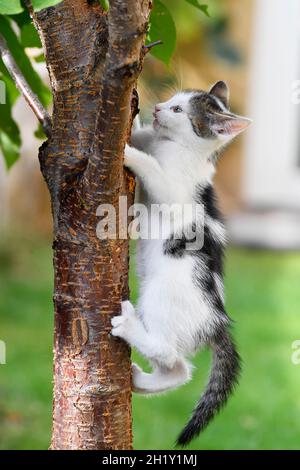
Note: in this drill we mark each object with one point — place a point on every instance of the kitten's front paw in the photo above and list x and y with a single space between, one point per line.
119 326
124 323
129 154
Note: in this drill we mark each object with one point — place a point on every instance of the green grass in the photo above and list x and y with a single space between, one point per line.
263 297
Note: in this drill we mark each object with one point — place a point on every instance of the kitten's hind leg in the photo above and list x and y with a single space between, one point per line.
161 379
169 370
129 327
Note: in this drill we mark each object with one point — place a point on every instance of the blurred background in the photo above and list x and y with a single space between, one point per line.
253 45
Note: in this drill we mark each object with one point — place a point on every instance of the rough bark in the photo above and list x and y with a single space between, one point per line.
93 59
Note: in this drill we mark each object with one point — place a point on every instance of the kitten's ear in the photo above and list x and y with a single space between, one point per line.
220 90
231 124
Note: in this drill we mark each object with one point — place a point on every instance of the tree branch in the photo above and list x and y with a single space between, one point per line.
148 47
24 88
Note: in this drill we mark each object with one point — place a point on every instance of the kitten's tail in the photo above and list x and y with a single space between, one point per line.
223 378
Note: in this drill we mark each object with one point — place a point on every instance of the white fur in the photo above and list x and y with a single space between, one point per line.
170 160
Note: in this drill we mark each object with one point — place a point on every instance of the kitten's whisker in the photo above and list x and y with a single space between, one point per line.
150 97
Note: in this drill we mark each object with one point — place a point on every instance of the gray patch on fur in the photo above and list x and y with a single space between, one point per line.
203 114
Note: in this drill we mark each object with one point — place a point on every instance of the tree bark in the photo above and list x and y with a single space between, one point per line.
94 59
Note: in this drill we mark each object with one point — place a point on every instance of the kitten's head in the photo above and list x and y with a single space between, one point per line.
200 117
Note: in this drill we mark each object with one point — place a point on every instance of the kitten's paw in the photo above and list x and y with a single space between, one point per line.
119 327
117 321
128 153
122 324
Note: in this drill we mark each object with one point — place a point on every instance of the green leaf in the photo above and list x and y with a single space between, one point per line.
200 6
162 27
10 147
31 76
39 133
29 36
11 92
10 7
39 58
104 4
41 4
21 19
10 140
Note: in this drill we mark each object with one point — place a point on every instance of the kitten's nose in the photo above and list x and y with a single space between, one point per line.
157 108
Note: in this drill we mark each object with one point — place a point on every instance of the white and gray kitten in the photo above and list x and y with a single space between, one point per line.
181 303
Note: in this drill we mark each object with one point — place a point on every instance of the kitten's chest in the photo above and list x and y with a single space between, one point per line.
182 173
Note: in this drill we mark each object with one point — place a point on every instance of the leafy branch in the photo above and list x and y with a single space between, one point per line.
24 88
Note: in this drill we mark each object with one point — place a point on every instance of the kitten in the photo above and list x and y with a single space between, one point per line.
181 303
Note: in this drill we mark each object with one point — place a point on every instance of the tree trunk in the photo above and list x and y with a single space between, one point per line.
93 58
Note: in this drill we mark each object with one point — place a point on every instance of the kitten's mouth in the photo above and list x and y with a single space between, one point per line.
156 123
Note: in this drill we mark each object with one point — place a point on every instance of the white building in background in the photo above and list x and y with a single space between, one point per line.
271 171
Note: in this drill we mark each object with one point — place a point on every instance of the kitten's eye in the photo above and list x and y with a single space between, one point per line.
176 109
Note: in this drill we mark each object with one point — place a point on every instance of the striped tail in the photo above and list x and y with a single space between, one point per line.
223 378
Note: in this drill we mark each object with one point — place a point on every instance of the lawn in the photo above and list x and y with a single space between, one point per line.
263 297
